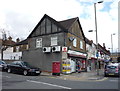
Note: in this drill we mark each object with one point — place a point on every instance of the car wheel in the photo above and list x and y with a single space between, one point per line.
25 72
9 70
105 75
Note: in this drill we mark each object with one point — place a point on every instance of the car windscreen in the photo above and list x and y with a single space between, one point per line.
26 64
112 67
2 62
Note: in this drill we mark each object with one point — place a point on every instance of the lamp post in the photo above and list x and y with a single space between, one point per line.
112 42
96 35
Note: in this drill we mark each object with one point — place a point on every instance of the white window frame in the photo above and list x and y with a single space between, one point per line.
75 42
17 48
54 41
81 44
39 43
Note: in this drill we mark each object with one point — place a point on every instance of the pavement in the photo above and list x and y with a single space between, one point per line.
82 76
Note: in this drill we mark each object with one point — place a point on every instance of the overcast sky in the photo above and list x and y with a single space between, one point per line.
19 17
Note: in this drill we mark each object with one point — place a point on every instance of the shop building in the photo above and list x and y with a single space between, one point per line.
103 55
61 41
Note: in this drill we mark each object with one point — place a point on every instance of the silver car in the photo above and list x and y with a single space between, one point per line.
112 70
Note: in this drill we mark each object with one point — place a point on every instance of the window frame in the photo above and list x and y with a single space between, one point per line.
38 43
75 42
54 41
81 44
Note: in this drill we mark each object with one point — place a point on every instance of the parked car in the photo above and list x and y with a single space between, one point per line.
3 65
23 67
112 69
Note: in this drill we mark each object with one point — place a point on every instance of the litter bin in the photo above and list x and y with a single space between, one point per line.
56 68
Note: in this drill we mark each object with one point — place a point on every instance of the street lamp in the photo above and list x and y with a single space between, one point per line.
112 42
96 35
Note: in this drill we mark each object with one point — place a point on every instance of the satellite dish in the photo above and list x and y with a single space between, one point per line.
71 38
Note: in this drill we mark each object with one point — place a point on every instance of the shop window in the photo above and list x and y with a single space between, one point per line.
75 42
39 43
54 41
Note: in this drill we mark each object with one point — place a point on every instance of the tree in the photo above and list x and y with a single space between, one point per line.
3 47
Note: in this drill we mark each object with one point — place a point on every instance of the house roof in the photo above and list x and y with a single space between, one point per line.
53 20
68 23
65 24
88 41
103 49
22 42
8 42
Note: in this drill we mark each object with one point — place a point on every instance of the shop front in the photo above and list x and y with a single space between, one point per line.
79 60
93 63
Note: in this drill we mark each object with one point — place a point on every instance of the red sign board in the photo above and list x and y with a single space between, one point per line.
64 49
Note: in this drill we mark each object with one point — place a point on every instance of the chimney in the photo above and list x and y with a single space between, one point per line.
104 45
17 40
10 38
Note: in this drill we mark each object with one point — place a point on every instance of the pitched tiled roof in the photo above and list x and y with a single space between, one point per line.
88 41
22 42
67 23
8 42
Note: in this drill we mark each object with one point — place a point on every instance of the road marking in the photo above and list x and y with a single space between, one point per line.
105 78
7 76
113 80
49 84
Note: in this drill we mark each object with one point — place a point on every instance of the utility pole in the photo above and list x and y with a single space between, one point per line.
112 42
96 36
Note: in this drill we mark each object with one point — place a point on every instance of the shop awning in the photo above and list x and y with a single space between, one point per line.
76 54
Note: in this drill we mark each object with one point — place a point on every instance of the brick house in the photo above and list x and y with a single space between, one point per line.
20 45
5 46
103 55
13 49
53 40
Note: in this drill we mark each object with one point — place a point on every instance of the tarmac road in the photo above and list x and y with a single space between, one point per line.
16 81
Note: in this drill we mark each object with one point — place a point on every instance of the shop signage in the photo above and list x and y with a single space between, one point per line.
76 53
64 49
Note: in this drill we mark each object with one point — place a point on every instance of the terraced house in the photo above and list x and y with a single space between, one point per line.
61 41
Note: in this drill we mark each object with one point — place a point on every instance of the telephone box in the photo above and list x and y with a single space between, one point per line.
56 68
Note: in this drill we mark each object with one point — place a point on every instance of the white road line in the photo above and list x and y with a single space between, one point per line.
103 79
49 84
113 80
7 76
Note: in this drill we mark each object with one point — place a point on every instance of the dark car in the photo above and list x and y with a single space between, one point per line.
23 67
3 66
112 70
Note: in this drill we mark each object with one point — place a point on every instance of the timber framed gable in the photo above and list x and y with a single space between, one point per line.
46 26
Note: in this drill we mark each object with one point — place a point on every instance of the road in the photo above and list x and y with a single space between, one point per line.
16 81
